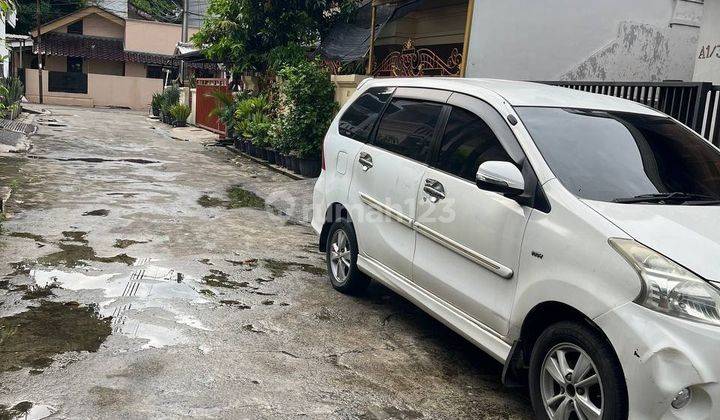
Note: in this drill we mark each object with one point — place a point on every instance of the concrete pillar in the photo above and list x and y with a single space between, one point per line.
707 65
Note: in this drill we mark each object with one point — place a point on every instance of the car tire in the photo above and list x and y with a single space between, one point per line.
568 346
341 256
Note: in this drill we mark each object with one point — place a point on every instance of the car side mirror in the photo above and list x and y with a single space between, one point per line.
501 177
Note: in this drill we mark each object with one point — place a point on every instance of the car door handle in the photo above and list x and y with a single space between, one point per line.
366 161
434 189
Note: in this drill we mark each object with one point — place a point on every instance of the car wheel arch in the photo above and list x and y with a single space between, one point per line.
540 317
334 212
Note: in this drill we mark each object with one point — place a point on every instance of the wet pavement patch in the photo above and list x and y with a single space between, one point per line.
207 201
252 328
279 268
74 236
72 256
218 278
124 243
99 212
235 303
25 410
27 235
122 194
32 338
96 160
21 268
240 197
237 198
39 292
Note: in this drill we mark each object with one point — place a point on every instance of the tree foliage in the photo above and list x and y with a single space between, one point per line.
49 11
241 33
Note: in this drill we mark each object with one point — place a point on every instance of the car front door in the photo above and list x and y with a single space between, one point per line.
387 174
469 239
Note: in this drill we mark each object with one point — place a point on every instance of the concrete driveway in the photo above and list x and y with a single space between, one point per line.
142 276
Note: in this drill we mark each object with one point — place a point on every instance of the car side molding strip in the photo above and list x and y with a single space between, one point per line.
462 250
387 210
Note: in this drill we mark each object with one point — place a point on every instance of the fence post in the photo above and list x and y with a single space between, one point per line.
699 111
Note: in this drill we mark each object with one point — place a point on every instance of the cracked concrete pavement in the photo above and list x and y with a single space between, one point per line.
195 300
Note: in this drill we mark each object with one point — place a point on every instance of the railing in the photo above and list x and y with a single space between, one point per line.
67 82
695 104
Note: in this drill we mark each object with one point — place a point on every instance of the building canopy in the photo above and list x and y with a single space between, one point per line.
350 41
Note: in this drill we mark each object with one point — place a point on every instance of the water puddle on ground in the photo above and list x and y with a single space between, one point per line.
96 160
32 338
26 410
146 304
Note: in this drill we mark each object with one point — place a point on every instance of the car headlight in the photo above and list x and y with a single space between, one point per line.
668 287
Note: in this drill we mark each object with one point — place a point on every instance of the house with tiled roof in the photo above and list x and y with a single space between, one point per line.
95 57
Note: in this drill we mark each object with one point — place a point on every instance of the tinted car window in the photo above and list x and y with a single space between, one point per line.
615 156
467 143
359 119
407 127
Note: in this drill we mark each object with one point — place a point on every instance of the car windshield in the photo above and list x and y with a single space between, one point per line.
625 157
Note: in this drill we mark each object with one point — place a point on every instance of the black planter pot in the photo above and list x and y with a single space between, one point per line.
180 124
246 146
251 150
309 167
262 153
237 144
295 164
271 156
281 159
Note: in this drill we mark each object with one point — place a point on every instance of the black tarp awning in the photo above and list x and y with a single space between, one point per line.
350 41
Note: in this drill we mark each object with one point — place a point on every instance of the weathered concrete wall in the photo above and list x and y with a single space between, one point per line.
707 66
103 90
597 40
153 37
345 86
641 52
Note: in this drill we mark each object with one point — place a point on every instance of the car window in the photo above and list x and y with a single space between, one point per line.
359 119
468 142
407 127
615 156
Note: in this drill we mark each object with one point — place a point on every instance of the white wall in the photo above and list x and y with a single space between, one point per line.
707 66
617 40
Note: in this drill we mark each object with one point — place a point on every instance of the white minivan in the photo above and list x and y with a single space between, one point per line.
574 237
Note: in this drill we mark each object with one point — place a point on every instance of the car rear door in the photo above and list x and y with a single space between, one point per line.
387 174
469 239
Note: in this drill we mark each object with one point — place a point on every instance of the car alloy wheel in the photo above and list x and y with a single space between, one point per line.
340 255
570 384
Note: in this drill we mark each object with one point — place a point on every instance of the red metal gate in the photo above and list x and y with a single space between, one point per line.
206 103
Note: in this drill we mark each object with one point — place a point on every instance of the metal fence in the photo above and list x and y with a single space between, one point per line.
695 104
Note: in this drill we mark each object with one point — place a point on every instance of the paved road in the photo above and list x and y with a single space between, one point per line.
140 276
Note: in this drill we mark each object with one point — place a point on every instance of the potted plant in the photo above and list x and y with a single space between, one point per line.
307 97
156 103
180 114
171 98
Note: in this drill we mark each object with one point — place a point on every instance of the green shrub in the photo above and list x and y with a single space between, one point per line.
14 91
225 105
180 113
171 97
307 107
11 93
252 119
157 101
